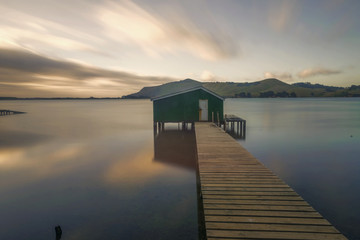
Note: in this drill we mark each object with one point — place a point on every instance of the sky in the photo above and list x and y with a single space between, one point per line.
104 48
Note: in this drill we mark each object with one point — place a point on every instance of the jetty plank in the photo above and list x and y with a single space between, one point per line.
225 212
271 235
242 199
271 227
259 207
254 197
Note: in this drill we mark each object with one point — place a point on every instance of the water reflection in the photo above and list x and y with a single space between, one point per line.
88 166
134 168
58 232
176 148
18 139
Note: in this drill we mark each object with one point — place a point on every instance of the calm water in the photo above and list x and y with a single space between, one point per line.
89 167
93 167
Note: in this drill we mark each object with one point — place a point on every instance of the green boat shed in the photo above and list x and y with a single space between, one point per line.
188 106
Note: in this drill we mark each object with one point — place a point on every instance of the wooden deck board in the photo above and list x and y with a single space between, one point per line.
271 227
233 234
242 199
259 207
254 197
273 213
228 200
267 219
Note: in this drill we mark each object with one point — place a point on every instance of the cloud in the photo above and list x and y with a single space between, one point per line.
127 22
207 76
281 15
311 72
104 26
22 30
24 72
281 76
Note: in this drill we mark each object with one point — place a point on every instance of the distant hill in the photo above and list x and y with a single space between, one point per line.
254 89
265 88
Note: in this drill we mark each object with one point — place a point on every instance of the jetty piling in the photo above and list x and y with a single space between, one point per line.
160 126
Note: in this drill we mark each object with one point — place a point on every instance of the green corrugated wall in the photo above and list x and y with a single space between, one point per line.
185 107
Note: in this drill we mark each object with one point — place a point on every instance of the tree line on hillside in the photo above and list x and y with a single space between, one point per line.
317 86
267 94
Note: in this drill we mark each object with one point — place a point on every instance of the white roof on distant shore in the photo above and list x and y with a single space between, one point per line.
186 91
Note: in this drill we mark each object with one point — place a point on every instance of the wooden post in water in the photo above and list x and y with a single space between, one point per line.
244 129
155 129
238 128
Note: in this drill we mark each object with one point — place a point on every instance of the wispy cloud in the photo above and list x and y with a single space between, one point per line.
19 29
281 14
311 72
23 71
281 76
208 76
127 22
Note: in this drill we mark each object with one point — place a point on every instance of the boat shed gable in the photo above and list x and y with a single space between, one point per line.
185 91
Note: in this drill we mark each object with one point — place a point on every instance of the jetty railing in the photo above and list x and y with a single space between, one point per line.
235 125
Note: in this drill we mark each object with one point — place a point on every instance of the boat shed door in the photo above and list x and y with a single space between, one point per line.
203 110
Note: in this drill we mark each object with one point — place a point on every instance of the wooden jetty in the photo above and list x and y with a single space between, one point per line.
242 199
9 112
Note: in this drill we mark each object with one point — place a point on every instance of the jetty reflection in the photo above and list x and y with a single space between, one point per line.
10 139
176 147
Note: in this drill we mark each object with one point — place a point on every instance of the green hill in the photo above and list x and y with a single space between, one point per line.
264 88
231 89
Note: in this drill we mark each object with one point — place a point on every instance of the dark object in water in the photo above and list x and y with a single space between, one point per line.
8 112
58 232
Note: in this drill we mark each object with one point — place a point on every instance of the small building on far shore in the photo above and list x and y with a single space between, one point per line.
188 106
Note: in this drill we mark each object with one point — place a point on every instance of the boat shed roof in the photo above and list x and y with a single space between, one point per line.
186 91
